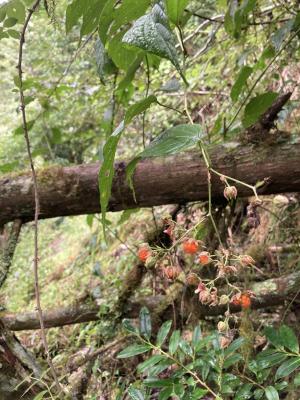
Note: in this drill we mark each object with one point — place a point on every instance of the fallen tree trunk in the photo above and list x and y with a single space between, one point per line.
175 179
272 292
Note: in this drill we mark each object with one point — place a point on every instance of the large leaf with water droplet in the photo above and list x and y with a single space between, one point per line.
152 33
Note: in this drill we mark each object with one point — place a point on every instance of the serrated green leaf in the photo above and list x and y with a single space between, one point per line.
175 9
287 367
135 394
271 393
157 369
152 34
139 107
240 82
134 350
288 338
107 171
145 322
9 22
163 333
257 106
174 342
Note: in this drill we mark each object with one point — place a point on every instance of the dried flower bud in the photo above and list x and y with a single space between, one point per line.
224 299
192 279
171 272
230 192
222 178
225 341
280 200
222 326
246 260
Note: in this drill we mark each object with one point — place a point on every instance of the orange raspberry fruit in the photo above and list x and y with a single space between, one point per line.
144 253
204 258
245 301
190 246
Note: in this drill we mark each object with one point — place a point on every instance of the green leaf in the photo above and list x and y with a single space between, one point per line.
135 394
235 345
175 9
269 358
288 338
297 380
196 335
258 394
151 33
121 54
105 19
128 11
41 395
231 360
104 63
107 171
92 12
139 108
273 336
16 9
166 393
287 367
174 342
158 383
74 11
9 22
145 323
282 33
150 362
129 327
257 106
186 348
163 333
271 393
134 350
244 392
127 214
240 82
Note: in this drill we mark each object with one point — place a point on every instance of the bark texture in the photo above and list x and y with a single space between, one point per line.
271 292
175 179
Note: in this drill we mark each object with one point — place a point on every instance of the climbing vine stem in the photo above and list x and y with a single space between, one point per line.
36 193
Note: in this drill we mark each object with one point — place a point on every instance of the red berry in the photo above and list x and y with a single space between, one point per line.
190 246
245 300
